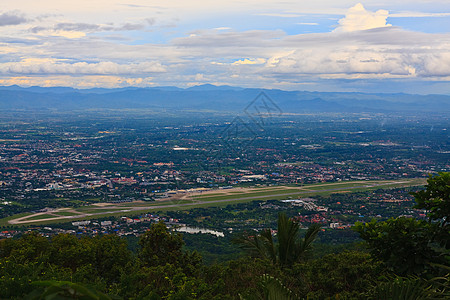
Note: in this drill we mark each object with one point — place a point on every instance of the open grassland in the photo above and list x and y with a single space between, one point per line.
224 197
5 221
40 217
94 209
68 213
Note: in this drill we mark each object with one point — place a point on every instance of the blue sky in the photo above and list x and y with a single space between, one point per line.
328 45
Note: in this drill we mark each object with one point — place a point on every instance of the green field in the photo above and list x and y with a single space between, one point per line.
66 213
41 217
4 221
157 203
217 194
93 209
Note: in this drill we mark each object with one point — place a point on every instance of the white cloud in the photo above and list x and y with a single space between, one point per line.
199 77
79 30
346 60
251 61
436 64
413 14
358 18
266 52
52 66
78 82
245 58
68 34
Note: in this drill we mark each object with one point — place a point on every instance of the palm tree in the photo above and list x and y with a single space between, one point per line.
289 247
271 288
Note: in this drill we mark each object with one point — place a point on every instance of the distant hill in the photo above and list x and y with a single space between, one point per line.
213 98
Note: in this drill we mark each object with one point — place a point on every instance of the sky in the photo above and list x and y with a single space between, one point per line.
322 45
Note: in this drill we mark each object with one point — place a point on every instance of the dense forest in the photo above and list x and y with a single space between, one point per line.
402 258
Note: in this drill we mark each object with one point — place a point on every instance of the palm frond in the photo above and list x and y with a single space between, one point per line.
288 239
270 288
309 237
400 289
290 248
269 247
259 245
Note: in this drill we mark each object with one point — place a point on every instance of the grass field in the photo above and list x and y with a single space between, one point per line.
4 221
222 198
93 209
67 213
40 217
157 203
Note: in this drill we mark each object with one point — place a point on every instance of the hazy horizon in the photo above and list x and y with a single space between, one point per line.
218 86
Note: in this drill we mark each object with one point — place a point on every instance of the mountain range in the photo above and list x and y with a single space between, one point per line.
214 98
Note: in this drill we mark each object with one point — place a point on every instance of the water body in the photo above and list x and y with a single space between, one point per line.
188 229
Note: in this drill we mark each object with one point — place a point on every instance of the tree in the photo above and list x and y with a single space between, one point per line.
289 247
436 200
270 288
30 247
401 243
401 288
65 290
159 246
410 246
71 252
111 256
336 276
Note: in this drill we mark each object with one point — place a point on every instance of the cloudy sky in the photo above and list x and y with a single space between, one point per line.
321 45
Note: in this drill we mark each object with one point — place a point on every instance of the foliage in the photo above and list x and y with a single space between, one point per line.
165 270
99 261
271 288
409 246
411 288
242 275
436 200
402 244
399 289
288 248
31 247
60 290
71 267
159 246
347 274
